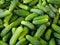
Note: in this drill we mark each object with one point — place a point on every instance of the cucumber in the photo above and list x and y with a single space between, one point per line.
31 16
13 5
42 21
56 35
21 42
33 2
41 17
52 41
40 31
56 28
7 37
56 2
25 7
28 24
38 11
24 33
53 8
43 42
16 35
7 19
33 40
55 21
26 2
22 13
48 34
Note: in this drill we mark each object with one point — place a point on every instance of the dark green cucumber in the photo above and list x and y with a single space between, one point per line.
56 2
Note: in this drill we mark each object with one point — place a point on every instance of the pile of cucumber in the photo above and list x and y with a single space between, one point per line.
29 22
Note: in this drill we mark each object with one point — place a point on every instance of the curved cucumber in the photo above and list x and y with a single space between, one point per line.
31 16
